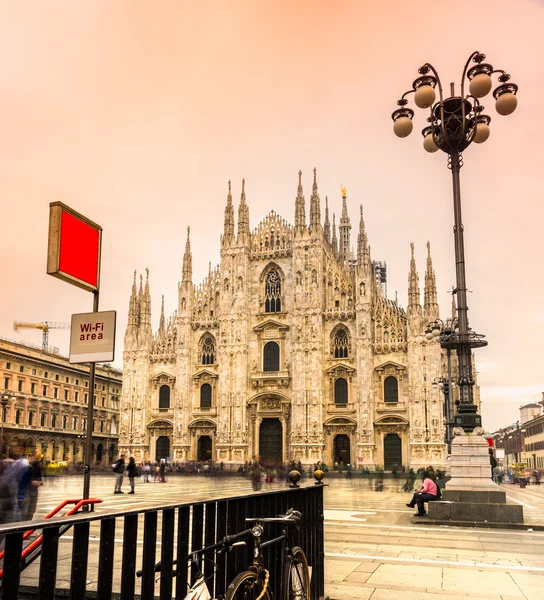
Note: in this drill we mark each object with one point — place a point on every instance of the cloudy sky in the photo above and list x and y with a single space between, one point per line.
138 113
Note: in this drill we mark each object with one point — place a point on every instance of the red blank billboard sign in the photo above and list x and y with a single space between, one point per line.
74 247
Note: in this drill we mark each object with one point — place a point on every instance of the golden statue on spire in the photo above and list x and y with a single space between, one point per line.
344 192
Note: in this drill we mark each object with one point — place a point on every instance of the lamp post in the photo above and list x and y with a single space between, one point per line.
5 399
454 123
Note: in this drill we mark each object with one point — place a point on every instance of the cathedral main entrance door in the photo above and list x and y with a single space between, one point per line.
204 450
342 454
162 448
270 441
392 451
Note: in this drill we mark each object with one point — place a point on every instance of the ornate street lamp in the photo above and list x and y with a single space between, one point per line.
5 398
454 123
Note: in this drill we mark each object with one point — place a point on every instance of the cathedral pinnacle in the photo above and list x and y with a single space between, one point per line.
187 273
414 306
334 241
344 230
300 209
363 250
145 302
315 210
162 326
243 217
430 296
228 235
327 224
133 307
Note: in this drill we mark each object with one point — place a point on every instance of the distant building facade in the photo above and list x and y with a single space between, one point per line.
45 401
288 350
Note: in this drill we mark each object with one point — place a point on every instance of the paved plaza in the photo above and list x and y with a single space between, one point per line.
373 550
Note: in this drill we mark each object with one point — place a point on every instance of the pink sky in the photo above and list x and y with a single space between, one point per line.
137 114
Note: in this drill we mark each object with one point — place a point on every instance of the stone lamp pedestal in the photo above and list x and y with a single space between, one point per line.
471 496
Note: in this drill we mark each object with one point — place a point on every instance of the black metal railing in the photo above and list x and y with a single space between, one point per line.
108 549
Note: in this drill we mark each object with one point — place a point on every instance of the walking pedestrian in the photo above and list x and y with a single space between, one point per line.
132 472
147 471
119 470
162 470
35 482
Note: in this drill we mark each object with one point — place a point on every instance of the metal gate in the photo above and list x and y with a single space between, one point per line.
392 451
270 441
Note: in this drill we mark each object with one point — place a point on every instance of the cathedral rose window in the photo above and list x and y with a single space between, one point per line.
272 301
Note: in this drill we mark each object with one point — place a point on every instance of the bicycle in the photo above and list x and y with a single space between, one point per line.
252 584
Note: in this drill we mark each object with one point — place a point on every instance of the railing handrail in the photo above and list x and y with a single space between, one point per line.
81 518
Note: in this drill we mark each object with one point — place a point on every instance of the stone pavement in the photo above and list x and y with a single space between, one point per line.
373 550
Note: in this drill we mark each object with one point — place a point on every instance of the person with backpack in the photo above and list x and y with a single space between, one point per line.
119 470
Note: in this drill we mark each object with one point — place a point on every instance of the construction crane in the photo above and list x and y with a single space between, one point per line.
45 327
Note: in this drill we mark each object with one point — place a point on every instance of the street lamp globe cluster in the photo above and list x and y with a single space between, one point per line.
457 121
454 123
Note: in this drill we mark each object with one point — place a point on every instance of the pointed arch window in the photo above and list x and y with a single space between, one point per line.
164 397
391 389
271 357
206 396
341 344
208 351
340 391
272 302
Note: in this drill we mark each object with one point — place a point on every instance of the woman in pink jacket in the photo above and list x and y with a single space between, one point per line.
429 491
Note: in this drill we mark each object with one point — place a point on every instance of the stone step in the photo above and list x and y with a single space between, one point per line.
480 512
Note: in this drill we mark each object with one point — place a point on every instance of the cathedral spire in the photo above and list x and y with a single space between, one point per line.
453 305
315 210
228 235
300 209
187 274
145 304
243 217
363 250
414 306
344 229
327 224
133 308
162 326
334 241
431 304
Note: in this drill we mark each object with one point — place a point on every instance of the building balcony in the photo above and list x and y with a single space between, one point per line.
391 407
261 379
341 408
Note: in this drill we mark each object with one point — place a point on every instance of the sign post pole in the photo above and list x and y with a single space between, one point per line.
73 255
90 421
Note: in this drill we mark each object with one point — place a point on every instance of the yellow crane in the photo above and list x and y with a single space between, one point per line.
45 327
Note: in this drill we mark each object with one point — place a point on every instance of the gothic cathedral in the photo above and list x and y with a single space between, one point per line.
289 349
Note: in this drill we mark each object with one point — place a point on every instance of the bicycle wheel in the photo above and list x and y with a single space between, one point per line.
247 586
297 576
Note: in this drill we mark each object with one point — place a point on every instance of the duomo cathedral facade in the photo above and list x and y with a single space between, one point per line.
288 350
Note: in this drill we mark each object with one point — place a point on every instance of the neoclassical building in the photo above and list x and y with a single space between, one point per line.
45 402
289 349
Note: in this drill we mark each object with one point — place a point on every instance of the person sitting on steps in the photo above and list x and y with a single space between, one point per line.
428 492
